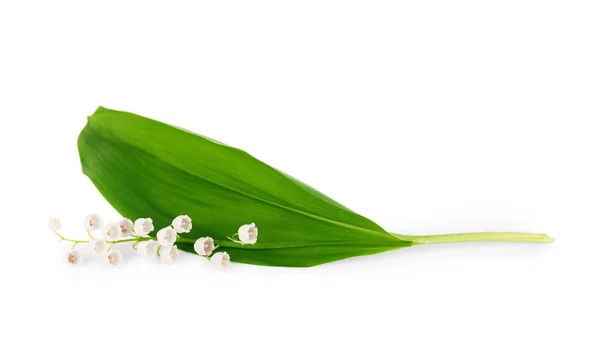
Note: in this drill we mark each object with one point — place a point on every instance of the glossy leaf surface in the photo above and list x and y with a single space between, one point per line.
146 168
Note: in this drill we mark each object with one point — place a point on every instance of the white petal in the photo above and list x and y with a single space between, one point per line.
209 246
216 259
244 228
152 246
244 237
199 246
174 253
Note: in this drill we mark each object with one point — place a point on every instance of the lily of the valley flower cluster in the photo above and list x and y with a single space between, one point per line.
137 233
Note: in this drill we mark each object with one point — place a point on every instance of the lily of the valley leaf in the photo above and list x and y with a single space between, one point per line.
147 168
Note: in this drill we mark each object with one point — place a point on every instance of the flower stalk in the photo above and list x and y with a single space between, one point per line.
163 245
111 242
474 237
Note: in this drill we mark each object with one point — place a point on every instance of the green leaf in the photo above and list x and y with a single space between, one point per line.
145 168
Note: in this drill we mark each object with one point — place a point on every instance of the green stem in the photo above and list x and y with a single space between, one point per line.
482 236
235 241
137 239
75 242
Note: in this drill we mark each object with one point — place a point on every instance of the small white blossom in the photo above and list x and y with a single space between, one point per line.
182 224
92 222
143 226
73 257
98 246
166 236
112 231
220 260
248 233
169 253
54 224
204 246
114 258
147 248
126 227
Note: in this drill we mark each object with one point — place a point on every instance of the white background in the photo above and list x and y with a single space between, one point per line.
426 116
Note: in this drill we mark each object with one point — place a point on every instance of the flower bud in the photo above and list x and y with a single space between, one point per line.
54 224
166 236
220 260
112 231
126 227
204 246
182 224
147 248
92 222
143 226
98 246
169 253
114 258
73 257
248 233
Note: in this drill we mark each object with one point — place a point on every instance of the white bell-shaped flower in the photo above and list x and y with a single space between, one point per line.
220 260
73 257
92 222
147 248
112 231
54 224
98 246
143 226
126 226
182 224
204 246
248 233
166 236
114 258
169 253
